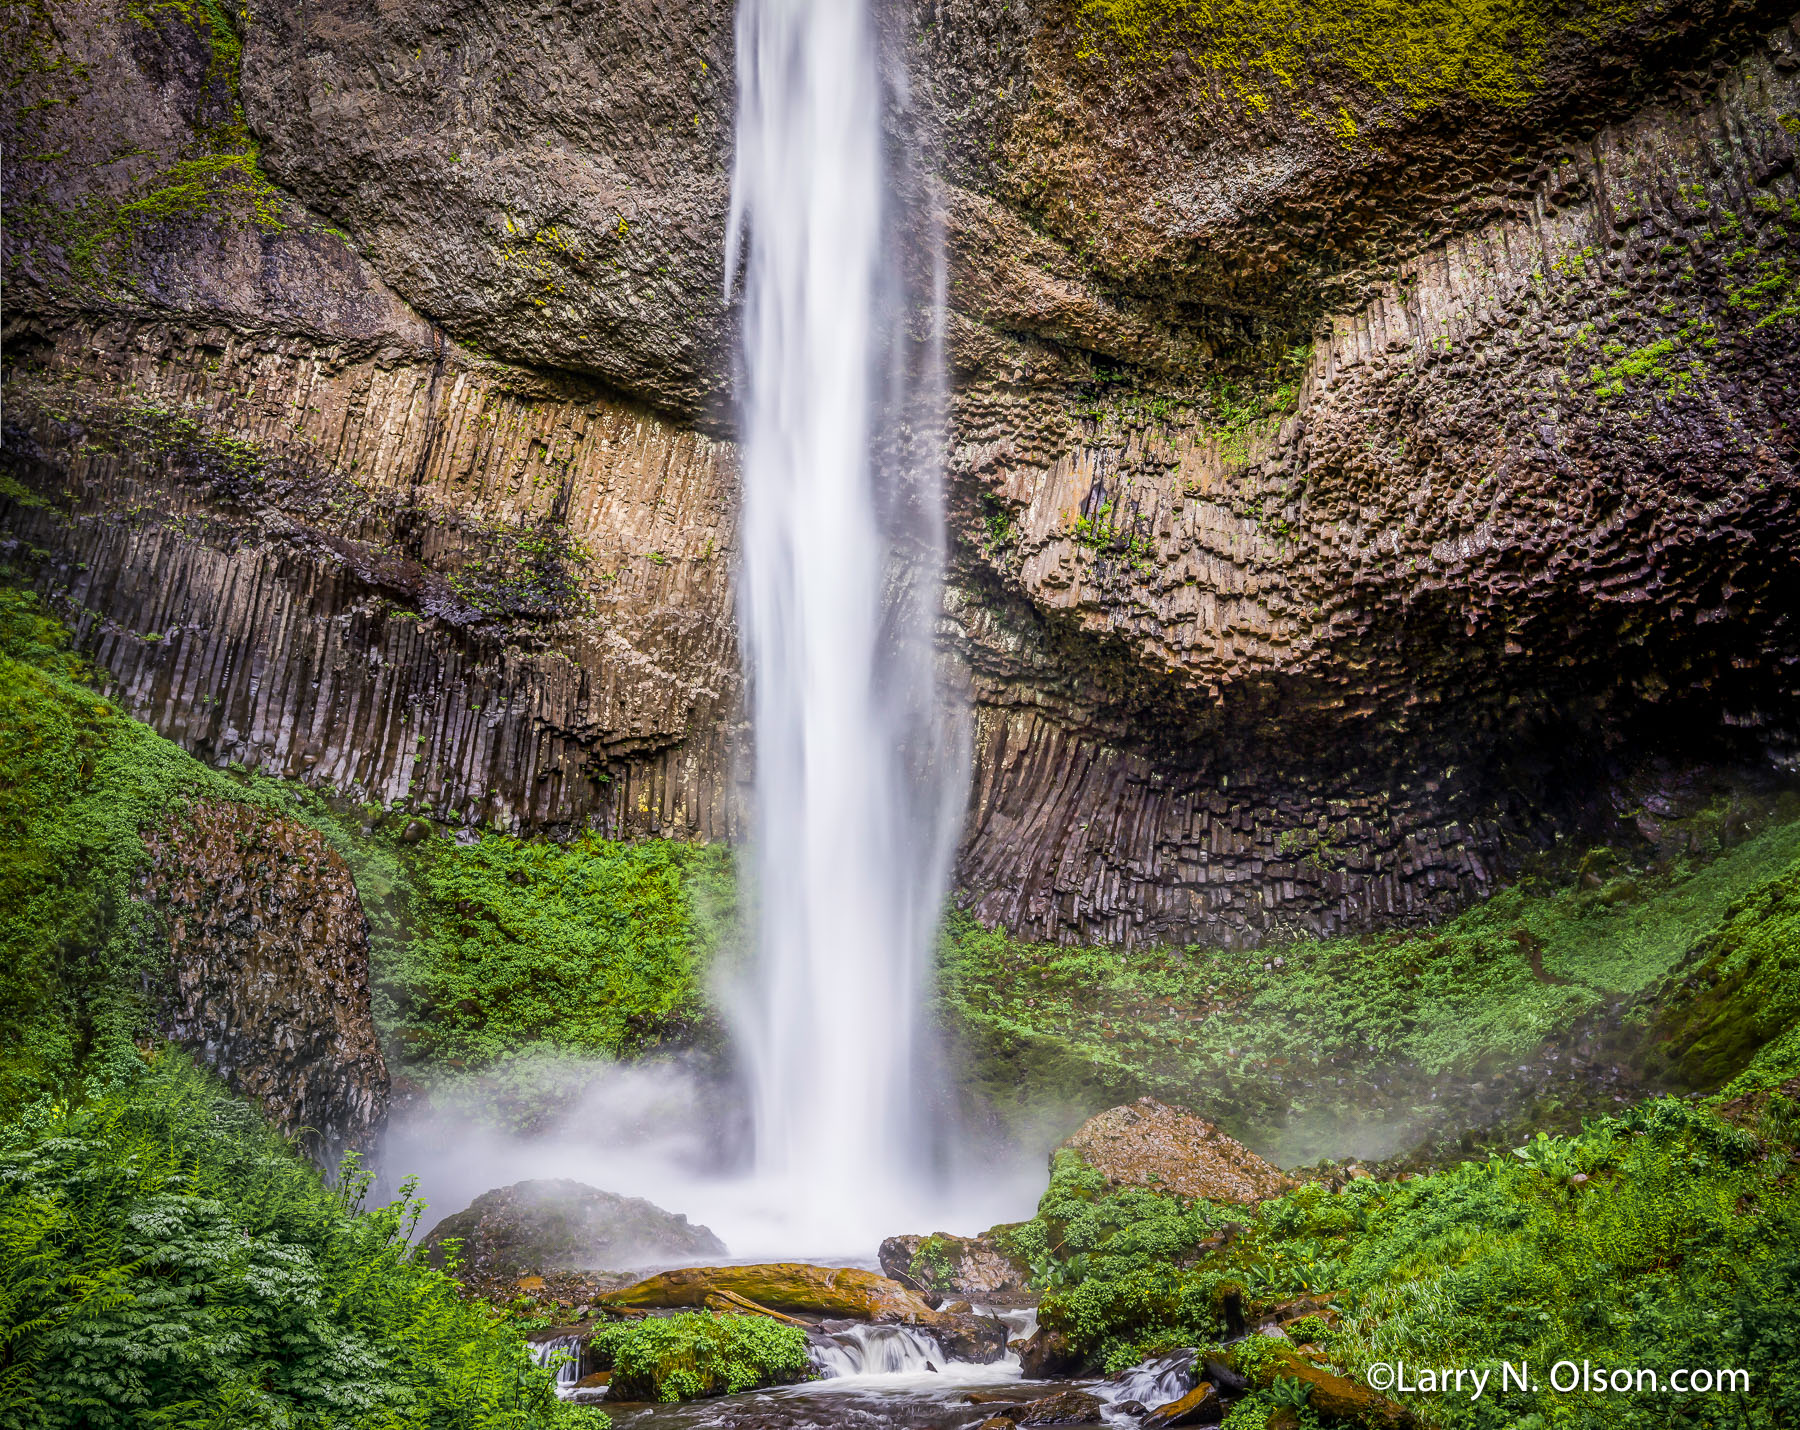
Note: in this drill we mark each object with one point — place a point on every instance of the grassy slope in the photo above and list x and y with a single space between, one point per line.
1354 1030
1663 1238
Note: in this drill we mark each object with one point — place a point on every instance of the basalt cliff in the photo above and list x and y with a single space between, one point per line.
1372 450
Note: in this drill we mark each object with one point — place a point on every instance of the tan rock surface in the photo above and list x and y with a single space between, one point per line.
1150 1144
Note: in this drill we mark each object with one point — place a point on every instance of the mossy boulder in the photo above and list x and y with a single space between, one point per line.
561 1224
690 1356
788 1286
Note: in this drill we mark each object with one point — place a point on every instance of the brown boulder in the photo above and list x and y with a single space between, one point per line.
976 1267
1150 1144
1068 1407
1046 1354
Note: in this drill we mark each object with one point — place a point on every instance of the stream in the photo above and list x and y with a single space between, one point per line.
896 1376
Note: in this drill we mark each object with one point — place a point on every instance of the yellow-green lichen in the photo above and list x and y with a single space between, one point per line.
1420 51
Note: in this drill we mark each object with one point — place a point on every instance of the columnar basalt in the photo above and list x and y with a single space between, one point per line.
1524 517
269 961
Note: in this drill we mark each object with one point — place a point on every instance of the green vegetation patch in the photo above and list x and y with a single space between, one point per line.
166 1259
694 1354
512 956
1307 1042
81 957
1665 1238
1490 50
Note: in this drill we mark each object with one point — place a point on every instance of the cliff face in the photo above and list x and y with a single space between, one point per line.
1372 452
270 958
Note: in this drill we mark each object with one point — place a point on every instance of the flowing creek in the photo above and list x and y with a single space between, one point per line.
894 1376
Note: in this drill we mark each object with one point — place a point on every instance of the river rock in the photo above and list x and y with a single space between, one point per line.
976 1267
1150 1144
1200 1406
558 1223
1068 1407
1046 1354
970 1337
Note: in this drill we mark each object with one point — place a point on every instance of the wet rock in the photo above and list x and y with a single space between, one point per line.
974 1267
1200 1406
269 953
1150 1144
1047 1354
782 1286
968 1337
1219 1369
1069 1407
557 1223
998 1422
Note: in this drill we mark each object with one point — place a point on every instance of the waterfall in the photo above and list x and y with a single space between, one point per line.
859 760
569 1371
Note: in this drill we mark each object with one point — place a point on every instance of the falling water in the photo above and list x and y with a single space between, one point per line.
859 760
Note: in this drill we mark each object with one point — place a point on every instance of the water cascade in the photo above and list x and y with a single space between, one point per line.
859 762
569 1371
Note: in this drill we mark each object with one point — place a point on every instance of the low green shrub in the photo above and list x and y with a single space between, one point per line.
1664 1238
694 1354
168 1260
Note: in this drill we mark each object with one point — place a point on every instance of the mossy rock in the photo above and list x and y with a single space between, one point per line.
690 1356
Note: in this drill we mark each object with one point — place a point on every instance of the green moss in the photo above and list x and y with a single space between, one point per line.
1345 1031
79 782
1421 53
520 953
695 1354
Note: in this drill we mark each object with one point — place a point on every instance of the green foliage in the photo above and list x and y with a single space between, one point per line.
1663 1238
1421 53
510 951
694 1354
1106 1259
166 1259
1229 1029
80 954
588 946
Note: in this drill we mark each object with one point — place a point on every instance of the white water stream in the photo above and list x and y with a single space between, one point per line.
860 760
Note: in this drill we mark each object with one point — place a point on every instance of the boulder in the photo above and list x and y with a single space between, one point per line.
1150 1144
782 1286
557 1223
1068 1407
1046 1354
976 1267
969 1337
